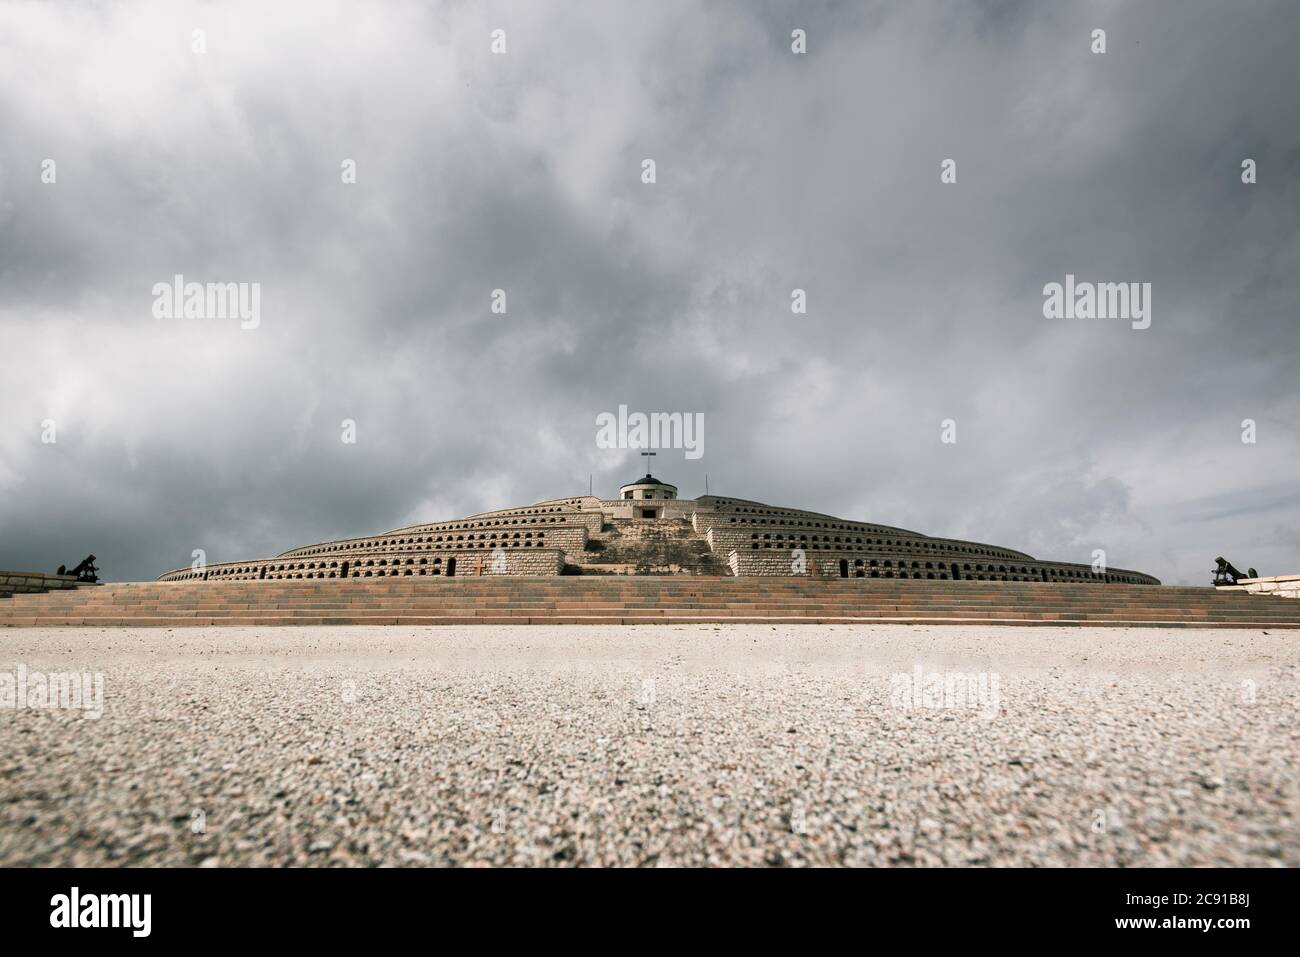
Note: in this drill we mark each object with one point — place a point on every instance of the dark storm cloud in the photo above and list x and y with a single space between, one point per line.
522 172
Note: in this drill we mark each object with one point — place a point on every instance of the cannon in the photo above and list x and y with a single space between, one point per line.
85 572
1227 574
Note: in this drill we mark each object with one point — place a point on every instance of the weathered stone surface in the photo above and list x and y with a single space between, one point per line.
1283 586
18 583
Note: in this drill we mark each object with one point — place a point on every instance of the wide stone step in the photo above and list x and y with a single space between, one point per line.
416 620
1254 608
734 607
643 600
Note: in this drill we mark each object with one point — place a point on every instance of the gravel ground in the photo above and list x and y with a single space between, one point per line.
664 745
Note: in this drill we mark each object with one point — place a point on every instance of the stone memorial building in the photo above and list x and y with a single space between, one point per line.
648 530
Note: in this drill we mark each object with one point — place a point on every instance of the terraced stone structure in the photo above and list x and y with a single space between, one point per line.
648 530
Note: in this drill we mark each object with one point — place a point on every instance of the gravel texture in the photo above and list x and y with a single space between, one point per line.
656 745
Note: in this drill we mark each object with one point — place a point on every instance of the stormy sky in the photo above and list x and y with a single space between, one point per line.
522 171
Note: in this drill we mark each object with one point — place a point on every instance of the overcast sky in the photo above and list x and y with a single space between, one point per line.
523 171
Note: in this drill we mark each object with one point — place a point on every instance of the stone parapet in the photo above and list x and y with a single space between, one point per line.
22 583
1283 586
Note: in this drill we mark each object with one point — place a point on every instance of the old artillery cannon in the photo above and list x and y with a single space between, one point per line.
1227 574
85 572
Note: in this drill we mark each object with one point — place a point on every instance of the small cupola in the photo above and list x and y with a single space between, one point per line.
648 487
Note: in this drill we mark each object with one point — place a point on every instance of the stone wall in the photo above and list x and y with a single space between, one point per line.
499 561
1283 586
14 583
567 531
785 534
858 564
669 508
870 551
744 512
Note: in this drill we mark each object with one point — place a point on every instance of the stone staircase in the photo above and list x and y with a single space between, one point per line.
649 547
643 600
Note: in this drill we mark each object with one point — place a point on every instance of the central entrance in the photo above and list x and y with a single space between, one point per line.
649 512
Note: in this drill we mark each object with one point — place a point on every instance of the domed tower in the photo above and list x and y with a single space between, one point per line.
648 488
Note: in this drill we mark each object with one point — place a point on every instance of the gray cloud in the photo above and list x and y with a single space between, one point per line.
775 171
